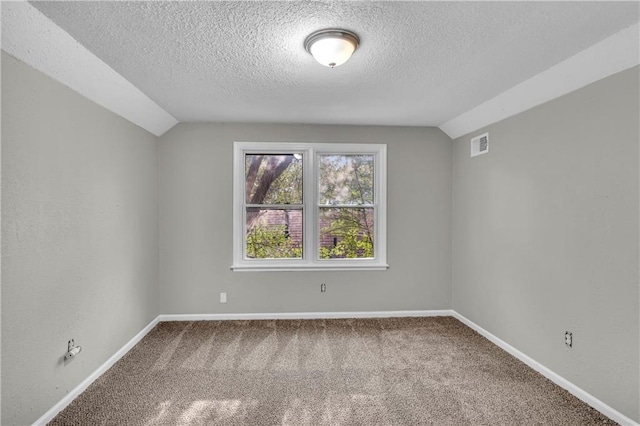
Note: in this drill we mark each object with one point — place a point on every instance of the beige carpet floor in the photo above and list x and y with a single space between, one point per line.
392 371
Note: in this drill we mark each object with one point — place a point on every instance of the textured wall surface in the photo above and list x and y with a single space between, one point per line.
545 236
79 238
196 225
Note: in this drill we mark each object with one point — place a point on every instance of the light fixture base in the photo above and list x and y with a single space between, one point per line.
333 55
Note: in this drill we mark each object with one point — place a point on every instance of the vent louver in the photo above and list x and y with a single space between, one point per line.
480 145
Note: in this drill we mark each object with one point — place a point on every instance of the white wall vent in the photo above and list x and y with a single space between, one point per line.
480 145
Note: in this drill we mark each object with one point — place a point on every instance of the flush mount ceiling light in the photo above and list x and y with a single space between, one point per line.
332 47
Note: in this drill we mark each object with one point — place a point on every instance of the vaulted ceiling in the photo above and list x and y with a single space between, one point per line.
419 63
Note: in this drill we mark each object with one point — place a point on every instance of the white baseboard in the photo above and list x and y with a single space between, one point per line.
304 315
554 377
605 409
75 392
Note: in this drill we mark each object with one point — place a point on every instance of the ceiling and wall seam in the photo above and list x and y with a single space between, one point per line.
52 50
610 56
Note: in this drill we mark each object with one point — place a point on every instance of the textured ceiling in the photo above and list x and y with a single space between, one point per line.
419 63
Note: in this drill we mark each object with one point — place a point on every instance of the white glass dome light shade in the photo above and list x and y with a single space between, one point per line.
332 48
332 52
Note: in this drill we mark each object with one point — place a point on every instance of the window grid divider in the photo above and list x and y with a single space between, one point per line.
311 194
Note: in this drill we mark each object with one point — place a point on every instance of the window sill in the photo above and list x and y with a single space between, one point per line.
290 268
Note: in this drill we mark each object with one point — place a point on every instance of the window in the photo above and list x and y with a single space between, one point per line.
303 206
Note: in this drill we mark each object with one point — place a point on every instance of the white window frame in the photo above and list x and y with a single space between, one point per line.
311 207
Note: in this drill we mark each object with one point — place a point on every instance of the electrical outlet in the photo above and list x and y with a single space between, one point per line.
72 350
568 338
323 288
223 297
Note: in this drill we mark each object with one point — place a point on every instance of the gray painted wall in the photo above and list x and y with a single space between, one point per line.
196 225
79 237
545 236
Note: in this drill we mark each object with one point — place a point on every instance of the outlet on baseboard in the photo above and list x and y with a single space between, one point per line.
223 297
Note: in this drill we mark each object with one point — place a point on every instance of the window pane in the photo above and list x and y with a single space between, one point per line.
273 179
346 233
274 233
346 179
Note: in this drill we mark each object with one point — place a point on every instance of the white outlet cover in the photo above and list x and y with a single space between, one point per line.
223 297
